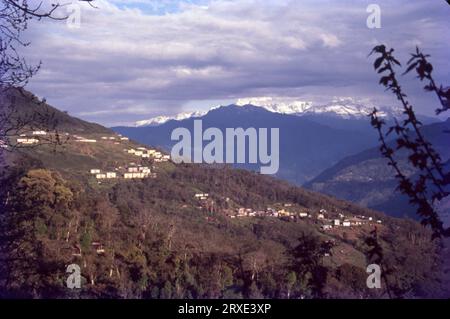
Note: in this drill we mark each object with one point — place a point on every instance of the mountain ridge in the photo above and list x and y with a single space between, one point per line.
343 107
366 179
306 147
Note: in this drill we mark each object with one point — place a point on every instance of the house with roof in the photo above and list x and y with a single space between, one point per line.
27 141
346 223
39 133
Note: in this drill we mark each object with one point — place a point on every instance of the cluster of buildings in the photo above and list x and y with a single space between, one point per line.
342 221
142 152
42 133
25 139
115 138
103 175
322 217
81 139
137 172
269 212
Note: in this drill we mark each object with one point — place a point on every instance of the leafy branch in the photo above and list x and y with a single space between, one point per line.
431 183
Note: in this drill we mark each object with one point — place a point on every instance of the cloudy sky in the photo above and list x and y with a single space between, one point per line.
135 59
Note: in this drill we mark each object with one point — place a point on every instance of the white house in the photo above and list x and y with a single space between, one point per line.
111 175
346 223
95 171
133 169
138 153
337 222
327 227
144 170
100 176
27 141
303 215
131 151
85 140
124 139
128 175
320 216
39 133
241 212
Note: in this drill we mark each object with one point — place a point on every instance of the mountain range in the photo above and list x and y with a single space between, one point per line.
307 147
342 107
312 139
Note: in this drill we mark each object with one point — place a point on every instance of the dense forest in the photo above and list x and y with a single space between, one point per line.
149 239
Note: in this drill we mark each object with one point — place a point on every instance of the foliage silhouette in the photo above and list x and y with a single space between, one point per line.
431 186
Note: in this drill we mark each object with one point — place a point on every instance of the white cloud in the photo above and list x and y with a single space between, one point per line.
124 55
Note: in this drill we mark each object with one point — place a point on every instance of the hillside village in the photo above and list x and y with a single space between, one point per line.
133 170
327 221
144 168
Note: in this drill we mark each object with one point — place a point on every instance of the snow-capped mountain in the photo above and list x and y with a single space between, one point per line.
277 105
343 107
163 119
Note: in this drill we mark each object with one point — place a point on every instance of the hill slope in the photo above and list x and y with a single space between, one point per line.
366 179
28 108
